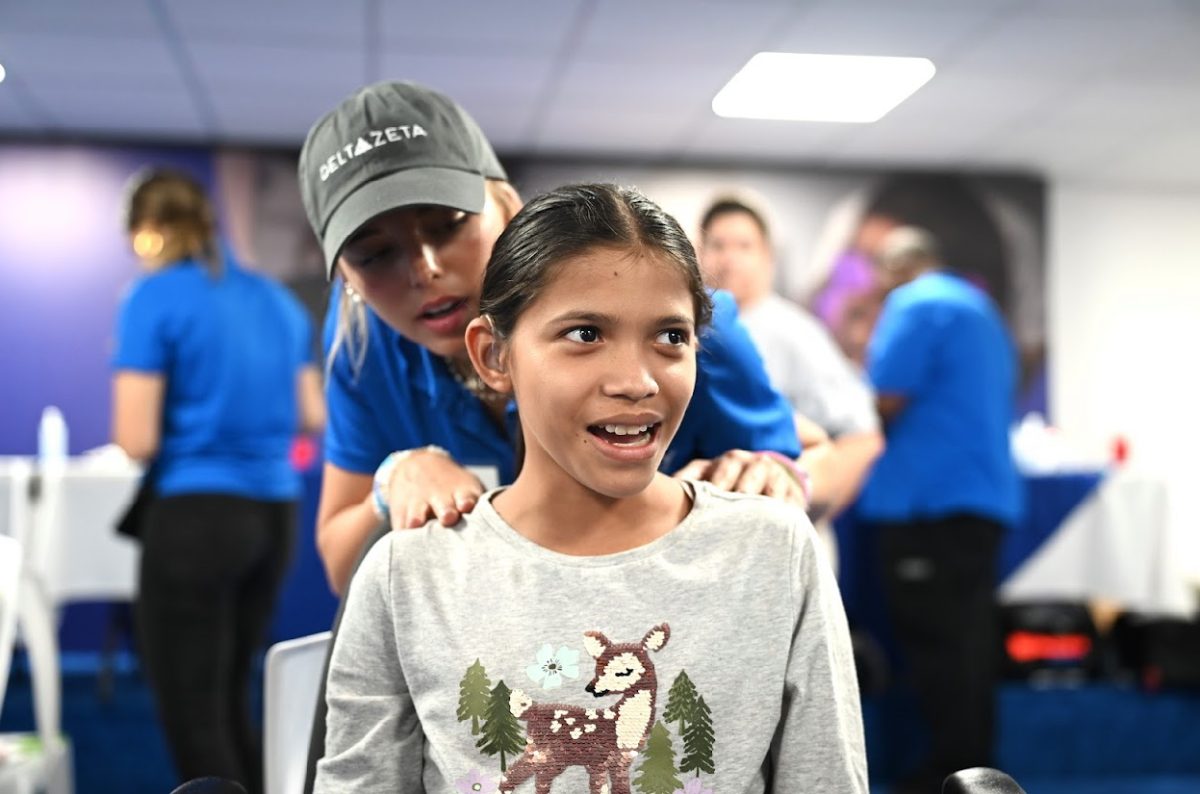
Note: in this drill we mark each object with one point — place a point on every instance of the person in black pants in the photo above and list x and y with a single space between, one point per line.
213 566
213 377
940 581
944 370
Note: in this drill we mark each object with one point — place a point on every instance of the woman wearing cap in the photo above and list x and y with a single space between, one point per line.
407 197
213 377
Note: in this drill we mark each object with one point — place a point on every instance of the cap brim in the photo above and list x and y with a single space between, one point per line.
446 187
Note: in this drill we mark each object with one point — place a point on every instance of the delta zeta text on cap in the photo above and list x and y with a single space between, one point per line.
391 144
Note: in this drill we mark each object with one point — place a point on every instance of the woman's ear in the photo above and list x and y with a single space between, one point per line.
486 350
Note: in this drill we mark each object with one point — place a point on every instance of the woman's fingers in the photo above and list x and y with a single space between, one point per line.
444 508
431 486
465 498
698 469
755 476
728 469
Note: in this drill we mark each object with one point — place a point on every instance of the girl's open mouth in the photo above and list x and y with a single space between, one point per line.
629 436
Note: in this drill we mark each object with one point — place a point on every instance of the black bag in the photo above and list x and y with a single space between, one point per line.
132 520
1160 652
1048 640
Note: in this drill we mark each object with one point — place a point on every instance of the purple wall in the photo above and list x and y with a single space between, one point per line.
64 262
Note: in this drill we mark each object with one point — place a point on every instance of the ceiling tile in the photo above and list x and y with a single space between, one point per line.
93 60
680 33
229 64
1039 45
111 17
1065 85
901 29
315 23
135 111
14 115
461 27
755 139
642 132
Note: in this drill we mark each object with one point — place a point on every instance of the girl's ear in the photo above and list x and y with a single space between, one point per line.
487 354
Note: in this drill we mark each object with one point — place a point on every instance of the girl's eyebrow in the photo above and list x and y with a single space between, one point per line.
579 315
599 318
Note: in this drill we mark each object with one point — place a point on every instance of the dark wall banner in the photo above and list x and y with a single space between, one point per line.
825 225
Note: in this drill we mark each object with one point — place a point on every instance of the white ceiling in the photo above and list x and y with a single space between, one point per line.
1095 89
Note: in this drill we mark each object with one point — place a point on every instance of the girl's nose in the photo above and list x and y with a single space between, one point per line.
629 378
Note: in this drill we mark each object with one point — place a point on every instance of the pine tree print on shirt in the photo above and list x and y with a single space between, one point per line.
501 733
698 741
657 774
474 693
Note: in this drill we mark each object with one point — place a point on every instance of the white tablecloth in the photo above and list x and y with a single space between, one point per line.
68 530
63 515
1117 545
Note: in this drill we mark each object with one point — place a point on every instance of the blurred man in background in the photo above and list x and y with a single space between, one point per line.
801 358
944 368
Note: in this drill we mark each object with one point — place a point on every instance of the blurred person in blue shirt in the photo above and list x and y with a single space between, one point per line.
945 373
213 378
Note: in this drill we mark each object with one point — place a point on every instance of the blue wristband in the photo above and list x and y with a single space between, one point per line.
383 477
379 486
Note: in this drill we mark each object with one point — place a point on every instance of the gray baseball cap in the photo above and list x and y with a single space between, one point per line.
392 144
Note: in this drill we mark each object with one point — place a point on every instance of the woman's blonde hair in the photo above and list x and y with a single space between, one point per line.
176 206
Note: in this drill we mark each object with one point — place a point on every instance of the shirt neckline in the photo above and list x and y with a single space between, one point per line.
495 524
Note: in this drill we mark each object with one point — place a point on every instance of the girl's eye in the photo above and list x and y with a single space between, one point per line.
674 337
586 334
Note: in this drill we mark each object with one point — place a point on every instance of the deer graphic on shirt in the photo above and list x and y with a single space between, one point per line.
603 740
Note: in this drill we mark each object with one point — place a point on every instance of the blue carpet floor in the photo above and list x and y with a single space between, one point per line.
1086 740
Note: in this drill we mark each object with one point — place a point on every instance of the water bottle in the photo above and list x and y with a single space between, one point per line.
52 437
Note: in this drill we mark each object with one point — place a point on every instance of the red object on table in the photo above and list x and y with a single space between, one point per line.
1120 449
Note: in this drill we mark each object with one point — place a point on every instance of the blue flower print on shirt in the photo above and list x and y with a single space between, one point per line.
552 667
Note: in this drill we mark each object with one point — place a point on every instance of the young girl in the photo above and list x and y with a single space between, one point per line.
597 626
407 198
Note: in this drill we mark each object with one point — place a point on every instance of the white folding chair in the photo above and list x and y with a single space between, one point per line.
293 679
27 764
10 579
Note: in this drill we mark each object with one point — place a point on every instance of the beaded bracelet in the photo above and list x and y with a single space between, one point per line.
383 477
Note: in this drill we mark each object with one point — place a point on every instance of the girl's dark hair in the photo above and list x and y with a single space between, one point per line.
569 221
178 207
733 206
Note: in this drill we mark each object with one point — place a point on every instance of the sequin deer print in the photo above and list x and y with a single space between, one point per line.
602 740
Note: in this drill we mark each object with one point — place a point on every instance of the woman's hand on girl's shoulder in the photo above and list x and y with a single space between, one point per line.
742 471
429 484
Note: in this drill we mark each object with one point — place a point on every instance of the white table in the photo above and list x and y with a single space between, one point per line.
64 516
1117 545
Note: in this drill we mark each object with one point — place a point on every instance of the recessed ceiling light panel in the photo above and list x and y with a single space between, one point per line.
807 87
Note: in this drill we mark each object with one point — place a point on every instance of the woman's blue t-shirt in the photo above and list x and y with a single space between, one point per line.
229 346
403 396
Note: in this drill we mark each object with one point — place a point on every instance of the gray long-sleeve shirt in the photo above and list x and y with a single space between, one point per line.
717 657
